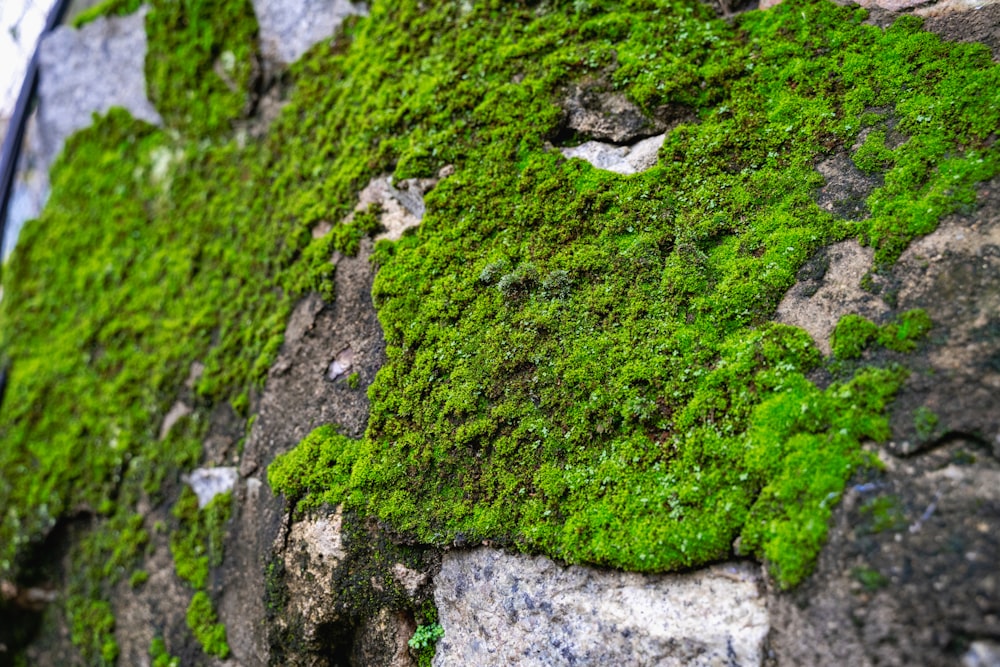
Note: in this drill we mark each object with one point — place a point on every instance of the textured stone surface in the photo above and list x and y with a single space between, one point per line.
640 156
909 574
88 71
499 609
601 114
829 287
298 397
288 29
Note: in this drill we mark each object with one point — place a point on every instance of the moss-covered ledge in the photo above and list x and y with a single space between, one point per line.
579 363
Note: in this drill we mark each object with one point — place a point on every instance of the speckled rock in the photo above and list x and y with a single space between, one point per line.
498 608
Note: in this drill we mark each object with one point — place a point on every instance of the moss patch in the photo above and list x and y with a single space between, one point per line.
580 363
201 63
204 623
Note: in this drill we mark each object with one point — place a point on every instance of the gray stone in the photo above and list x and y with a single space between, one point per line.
601 114
829 289
499 608
289 29
400 205
982 654
88 71
207 483
640 156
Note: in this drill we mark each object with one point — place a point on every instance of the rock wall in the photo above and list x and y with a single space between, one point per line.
908 576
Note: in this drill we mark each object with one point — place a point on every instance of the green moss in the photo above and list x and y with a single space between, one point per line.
883 513
203 622
160 656
92 625
353 380
197 544
424 641
578 384
852 335
106 8
873 156
138 578
871 579
201 62
903 334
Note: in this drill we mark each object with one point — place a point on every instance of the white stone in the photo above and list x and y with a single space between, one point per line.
633 159
503 609
88 71
207 483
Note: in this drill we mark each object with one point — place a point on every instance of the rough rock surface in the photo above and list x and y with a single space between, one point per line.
909 574
288 30
498 608
829 287
632 159
88 71
400 205
298 397
601 114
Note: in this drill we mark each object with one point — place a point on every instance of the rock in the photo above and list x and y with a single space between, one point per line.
341 364
312 553
294 402
596 112
207 483
909 569
382 641
88 71
401 206
289 29
640 156
829 287
982 654
847 187
499 608
174 414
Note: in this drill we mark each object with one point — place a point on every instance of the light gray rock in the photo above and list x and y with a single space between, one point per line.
289 29
499 608
88 71
207 483
401 205
640 156
982 654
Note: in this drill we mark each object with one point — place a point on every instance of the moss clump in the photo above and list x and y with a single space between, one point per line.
106 8
854 333
580 362
92 624
160 656
197 544
201 62
203 622
603 393
903 334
